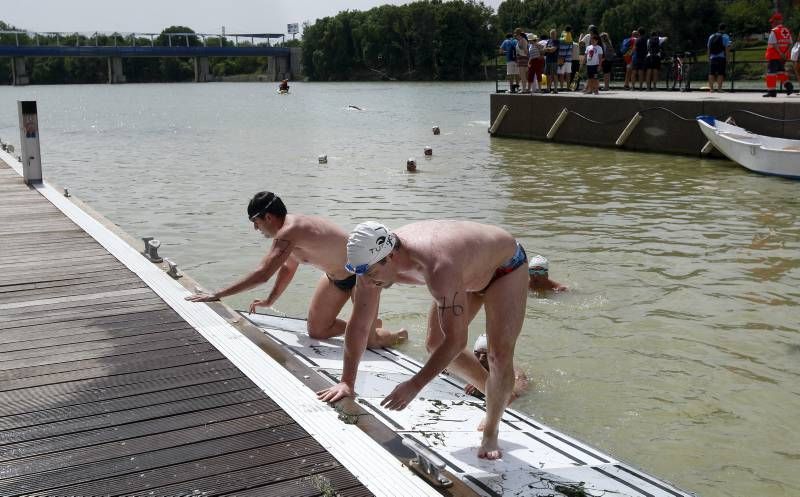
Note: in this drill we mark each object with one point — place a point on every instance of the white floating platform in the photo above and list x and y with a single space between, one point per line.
537 460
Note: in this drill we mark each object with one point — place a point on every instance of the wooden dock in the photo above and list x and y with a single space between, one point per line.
106 390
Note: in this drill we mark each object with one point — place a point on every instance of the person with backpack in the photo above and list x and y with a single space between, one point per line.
509 49
653 59
626 49
608 59
640 59
718 49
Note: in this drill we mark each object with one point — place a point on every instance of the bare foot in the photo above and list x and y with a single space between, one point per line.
489 449
384 338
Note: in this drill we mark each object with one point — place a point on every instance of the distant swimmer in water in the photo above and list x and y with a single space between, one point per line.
354 107
300 239
480 349
284 86
538 272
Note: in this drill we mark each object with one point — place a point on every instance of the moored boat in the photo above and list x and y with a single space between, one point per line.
759 153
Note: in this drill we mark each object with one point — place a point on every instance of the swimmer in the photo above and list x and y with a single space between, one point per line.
466 266
481 353
538 272
300 239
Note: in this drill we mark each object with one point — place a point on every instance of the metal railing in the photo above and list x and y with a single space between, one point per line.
114 39
679 72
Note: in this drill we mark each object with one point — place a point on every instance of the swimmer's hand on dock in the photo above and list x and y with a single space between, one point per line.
202 297
260 303
401 396
336 392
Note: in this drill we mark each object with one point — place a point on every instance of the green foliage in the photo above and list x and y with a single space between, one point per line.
422 40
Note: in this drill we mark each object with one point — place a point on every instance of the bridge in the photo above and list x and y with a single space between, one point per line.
20 45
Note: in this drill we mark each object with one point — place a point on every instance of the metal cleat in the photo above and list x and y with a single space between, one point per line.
427 464
173 269
66 192
151 249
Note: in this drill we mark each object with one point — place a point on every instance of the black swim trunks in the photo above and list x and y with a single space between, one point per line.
344 285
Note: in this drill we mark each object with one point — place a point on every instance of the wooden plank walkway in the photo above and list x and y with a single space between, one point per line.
105 390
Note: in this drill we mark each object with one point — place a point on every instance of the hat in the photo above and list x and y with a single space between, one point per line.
776 17
538 265
531 37
480 344
367 244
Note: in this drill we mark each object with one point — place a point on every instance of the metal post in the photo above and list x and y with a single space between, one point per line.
29 140
169 38
733 67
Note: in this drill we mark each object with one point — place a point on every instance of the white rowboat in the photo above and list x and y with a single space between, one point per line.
759 153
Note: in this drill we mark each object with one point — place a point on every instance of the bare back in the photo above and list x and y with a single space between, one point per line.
474 250
316 241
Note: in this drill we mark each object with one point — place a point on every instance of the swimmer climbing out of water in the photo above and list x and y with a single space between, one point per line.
538 272
300 239
465 266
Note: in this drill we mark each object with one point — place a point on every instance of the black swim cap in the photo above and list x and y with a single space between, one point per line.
265 203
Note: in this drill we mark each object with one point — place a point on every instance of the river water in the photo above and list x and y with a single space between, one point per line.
677 347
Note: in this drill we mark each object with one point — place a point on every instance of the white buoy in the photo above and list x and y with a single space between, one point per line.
436 130
428 151
411 165
323 159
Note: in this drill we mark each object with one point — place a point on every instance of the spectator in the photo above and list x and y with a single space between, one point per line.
574 76
653 60
522 58
795 56
608 57
509 49
718 50
778 52
626 49
565 57
551 61
535 63
594 56
640 58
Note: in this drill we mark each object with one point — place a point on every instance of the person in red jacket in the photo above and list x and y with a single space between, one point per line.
779 46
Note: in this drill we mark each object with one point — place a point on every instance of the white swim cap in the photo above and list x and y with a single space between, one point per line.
367 244
538 265
480 344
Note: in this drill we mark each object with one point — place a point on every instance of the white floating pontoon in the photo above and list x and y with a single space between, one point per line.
537 460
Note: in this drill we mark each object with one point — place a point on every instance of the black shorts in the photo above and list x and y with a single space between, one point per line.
606 65
591 72
775 66
716 66
653 62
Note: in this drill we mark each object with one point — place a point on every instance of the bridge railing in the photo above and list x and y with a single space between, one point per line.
116 39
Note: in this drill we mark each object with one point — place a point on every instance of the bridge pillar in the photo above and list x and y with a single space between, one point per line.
19 74
115 72
278 68
202 72
296 62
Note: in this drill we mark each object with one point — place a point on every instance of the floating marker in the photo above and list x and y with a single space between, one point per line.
323 159
411 165
428 151
436 130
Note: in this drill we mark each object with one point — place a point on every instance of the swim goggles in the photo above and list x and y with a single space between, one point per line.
537 271
262 211
357 270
